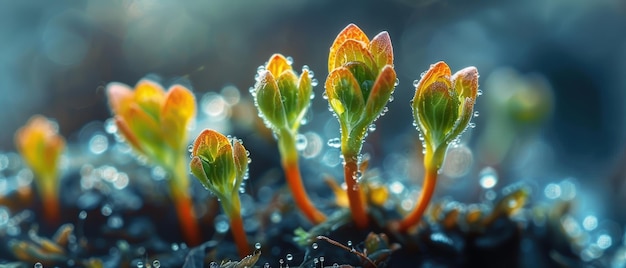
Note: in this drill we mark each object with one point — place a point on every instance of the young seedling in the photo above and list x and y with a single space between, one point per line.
221 164
155 123
282 99
41 146
442 108
360 82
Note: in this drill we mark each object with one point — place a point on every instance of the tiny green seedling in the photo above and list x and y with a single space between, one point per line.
360 82
442 108
221 164
40 145
283 98
155 123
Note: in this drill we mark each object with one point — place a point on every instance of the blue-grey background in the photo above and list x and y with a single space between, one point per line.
57 56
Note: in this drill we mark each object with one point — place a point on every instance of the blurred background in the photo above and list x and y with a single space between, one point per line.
553 73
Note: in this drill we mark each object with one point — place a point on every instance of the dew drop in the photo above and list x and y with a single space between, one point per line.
38 265
110 126
289 60
314 83
371 128
391 98
396 83
221 224
416 82
311 73
335 265
156 264
289 257
472 125
305 68
214 265
314 246
139 264
106 210
488 178
82 215
349 243
190 148
476 113
175 247
115 222
325 96
266 265
258 245
334 143
301 142
479 92
260 68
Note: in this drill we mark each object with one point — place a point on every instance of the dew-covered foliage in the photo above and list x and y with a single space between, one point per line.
166 183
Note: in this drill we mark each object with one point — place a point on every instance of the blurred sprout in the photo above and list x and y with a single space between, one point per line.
221 164
442 107
283 99
518 105
154 123
360 82
40 145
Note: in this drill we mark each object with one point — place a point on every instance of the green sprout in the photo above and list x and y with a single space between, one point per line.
282 99
40 145
360 82
442 107
154 123
221 165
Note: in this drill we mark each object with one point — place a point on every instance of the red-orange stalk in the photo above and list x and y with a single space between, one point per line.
428 188
50 200
239 234
184 205
355 196
294 180
292 173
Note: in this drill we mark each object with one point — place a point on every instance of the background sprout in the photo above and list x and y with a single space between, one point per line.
41 146
283 99
442 107
361 80
220 164
154 123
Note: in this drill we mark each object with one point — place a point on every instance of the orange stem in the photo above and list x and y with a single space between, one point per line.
51 207
47 189
428 188
187 220
292 174
179 185
239 234
355 196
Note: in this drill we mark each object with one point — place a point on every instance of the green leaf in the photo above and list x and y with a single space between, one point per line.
353 50
381 50
363 75
269 101
437 111
344 96
381 91
287 86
